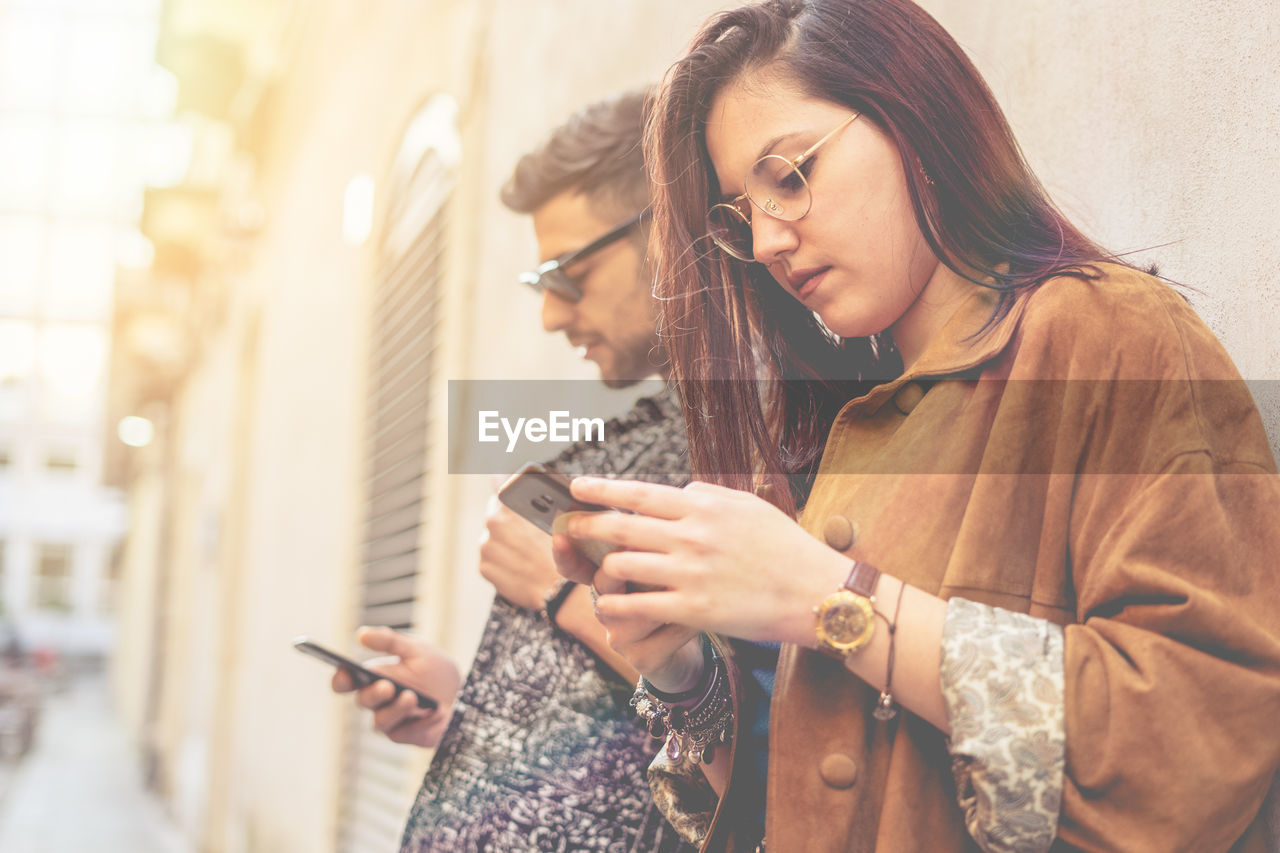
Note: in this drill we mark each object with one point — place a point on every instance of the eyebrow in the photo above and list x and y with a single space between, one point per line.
765 150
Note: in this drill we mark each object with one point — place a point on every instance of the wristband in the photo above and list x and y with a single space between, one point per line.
555 599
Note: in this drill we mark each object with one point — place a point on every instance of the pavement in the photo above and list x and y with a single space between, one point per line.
80 787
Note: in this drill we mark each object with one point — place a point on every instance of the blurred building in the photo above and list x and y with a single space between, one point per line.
79 95
334 252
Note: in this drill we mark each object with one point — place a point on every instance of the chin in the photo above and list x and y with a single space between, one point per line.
616 382
852 326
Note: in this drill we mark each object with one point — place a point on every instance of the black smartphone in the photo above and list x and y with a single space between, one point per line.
360 675
542 496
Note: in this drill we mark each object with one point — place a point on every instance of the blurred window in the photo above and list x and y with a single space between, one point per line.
72 362
31 43
26 162
61 460
23 263
111 580
53 577
81 270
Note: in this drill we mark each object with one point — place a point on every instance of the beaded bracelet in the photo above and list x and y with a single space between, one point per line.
697 730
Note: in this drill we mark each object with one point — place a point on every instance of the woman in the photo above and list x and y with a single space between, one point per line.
1037 508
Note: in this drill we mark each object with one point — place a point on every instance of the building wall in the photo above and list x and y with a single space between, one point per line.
264 483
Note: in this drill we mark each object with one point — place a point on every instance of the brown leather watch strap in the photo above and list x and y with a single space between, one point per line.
863 578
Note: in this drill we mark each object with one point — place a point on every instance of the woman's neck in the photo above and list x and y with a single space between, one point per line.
943 293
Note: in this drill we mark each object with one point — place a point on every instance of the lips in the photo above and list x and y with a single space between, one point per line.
805 281
583 346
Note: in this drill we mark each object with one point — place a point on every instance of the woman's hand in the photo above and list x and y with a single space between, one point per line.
668 655
727 562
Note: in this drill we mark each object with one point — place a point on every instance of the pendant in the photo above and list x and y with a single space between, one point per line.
884 708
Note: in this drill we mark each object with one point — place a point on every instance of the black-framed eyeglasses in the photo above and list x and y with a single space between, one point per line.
775 185
552 276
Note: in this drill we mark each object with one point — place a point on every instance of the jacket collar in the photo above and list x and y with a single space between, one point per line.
958 347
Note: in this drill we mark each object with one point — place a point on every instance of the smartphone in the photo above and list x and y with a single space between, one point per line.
361 675
542 496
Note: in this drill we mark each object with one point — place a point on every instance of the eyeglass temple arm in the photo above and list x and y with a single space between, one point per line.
815 146
601 241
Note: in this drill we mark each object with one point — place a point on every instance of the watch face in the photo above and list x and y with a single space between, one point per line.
845 621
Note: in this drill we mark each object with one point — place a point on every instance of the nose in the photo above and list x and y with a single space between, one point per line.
557 312
771 238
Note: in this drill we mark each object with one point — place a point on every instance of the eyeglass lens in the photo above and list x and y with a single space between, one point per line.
775 186
551 275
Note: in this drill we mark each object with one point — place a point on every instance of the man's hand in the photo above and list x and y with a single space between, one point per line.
515 556
415 664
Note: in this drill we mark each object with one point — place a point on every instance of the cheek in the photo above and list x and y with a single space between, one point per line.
892 237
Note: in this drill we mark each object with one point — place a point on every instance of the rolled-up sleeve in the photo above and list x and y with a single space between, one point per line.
1002 680
1173 672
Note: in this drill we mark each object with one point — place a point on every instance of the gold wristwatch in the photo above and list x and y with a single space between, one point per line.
846 620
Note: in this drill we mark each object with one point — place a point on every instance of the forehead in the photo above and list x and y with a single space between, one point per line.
759 114
566 222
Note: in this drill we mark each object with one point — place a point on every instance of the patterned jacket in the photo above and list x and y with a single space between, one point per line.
543 752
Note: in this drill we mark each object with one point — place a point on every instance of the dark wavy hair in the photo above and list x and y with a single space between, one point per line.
982 211
597 151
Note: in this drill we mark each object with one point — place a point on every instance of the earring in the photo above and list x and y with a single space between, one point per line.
923 173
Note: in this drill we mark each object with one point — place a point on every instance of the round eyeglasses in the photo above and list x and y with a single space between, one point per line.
551 275
775 185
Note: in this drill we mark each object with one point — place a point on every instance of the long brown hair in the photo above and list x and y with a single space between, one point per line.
982 211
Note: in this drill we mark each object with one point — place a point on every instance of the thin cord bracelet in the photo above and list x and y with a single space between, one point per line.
884 705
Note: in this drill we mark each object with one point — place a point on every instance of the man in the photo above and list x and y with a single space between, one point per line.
539 749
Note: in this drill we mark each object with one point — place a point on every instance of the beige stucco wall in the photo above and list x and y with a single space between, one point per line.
1150 124
1156 126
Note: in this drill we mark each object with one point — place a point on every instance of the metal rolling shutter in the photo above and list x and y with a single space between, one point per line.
402 357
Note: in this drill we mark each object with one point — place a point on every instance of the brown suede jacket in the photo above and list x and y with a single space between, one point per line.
1093 459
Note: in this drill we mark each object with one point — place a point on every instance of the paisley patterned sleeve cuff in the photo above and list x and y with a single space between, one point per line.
1002 680
683 796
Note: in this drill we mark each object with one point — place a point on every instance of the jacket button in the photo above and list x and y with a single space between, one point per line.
838 770
839 533
908 397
